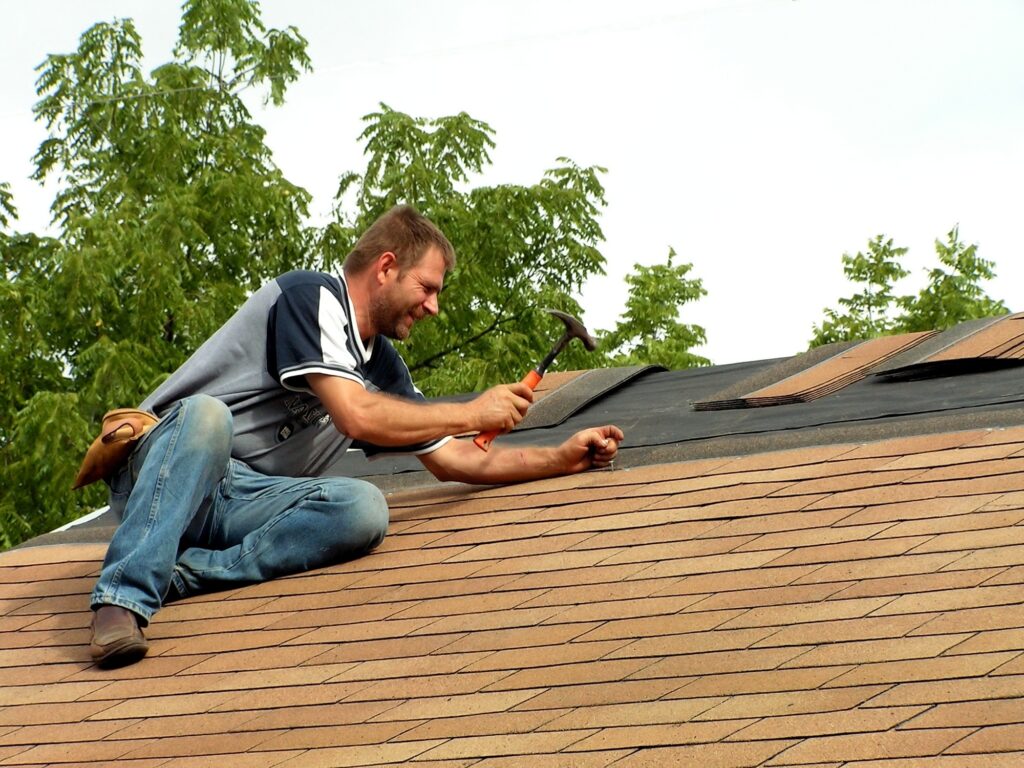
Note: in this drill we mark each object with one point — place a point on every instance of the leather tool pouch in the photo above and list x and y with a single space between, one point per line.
121 430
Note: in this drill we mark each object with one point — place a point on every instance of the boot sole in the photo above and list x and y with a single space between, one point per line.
120 653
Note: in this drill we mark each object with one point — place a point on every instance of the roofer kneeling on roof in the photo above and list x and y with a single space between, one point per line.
227 488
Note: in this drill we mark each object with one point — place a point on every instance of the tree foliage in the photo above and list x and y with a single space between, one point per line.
649 331
520 248
868 313
170 211
952 294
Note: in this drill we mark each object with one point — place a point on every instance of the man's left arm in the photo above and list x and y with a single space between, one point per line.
461 460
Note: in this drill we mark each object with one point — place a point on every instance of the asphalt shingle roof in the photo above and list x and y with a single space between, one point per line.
854 604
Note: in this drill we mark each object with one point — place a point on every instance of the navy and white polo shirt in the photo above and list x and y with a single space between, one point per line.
256 363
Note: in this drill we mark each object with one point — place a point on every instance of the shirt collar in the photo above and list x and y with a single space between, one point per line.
365 351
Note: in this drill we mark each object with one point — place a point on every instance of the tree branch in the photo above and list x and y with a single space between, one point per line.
475 337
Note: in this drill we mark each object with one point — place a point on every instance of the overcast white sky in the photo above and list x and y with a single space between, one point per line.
760 138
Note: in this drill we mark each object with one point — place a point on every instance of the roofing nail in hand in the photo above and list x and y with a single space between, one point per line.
574 329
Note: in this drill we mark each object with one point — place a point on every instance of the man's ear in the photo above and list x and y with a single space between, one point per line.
387 262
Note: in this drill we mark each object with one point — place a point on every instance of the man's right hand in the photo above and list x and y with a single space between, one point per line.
502 407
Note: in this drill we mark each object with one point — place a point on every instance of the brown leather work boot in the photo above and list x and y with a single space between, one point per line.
117 639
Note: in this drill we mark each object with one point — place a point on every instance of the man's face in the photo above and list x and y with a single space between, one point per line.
403 300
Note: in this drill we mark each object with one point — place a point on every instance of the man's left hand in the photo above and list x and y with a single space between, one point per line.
592 448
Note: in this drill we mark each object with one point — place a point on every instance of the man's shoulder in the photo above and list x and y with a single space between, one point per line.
299 279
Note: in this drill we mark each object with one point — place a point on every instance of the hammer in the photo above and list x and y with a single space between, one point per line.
574 329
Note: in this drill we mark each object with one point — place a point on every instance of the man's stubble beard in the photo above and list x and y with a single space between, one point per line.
387 319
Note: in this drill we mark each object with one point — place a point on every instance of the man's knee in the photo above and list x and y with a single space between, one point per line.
208 423
363 513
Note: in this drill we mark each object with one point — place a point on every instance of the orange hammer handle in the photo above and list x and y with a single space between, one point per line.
484 439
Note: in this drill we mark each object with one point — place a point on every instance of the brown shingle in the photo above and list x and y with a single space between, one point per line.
572 674
871 651
841 630
693 642
739 580
98 751
711 564
210 746
490 724
633 713
598 694
955 506
505 744
992 640
923 669
871 746
994 738
920 583
753 681
719 662
47 694
576 760
972 619
798 613
968 713
854 550
235 760
753 598
319 737
41 714
775 705
676 734
62 732
954 599
351 757
650 626
818 724
720 755
455 706
952 690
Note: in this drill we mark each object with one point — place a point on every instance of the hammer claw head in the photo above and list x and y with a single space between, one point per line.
575 329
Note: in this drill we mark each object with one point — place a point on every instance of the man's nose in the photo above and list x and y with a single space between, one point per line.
430 305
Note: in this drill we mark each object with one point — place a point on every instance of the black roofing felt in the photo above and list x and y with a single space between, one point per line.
562 403
655 412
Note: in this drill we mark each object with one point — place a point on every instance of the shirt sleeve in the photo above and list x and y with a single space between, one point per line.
309 333
387 372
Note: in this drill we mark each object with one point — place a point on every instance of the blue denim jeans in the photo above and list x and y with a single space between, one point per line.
194 519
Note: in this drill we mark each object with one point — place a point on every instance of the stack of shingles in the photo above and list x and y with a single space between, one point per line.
824 378
1003 340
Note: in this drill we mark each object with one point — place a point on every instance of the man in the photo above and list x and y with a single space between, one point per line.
228 488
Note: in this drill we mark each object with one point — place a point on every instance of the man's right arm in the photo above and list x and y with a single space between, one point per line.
385 420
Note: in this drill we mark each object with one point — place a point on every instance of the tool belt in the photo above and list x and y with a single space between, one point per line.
122 428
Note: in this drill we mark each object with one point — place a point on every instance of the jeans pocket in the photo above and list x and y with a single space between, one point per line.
228 482
120 484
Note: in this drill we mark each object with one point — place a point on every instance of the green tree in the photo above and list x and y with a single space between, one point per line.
649 330
170 210
520 247
869 313
953 293
7 209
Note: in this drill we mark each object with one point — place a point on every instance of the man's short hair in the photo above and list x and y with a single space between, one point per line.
403 231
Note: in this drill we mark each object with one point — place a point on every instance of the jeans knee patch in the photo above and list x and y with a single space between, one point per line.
366 510
211 419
